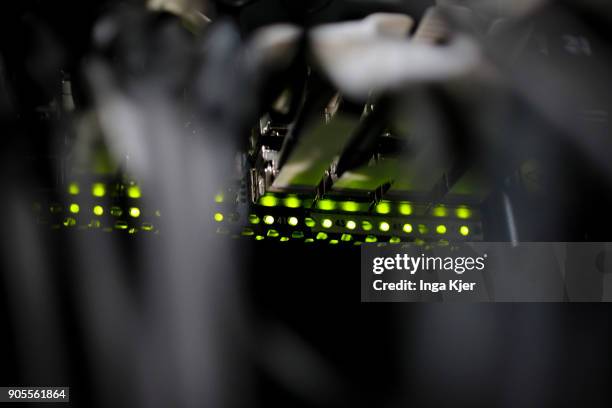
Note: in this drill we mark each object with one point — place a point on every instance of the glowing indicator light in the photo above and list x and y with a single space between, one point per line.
321 236
135 213
134 192
440 211
333 242
268 201
309 240
464 230
284 239
293 202
218 197
273 233
326 205
98 190
351 224
98 210
73 189
384 226
122 225
253 219
383 207
259 238
349 206
69 222
395 240
293 221
423 229
441 229
74 208
407 228
268 219
371 238
346 237
218 216
463 213
327 223
405 208
147 227
309 222
366 225
297 234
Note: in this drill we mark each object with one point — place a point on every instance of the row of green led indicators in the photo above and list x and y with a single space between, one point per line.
97 210
323 236
100 190
352 225
70 222
384 207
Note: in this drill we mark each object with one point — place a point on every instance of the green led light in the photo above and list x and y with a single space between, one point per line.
333 242
350 224
259 237
440 211
405 208
321 236
309 222
293 202
248 232
293 221
326 205
349 206
395 240
346 237
297 234
253 219
308 240
268 219
69 222
384 226
407 228
218 216
134 192
98 210
371 238
441 229
73 188
268 201
327 223
284 239
272 233
463 212
358 243
366 225
98 190
116 211
122 225
423 229
218 198
74 208
464 230
135 213
384 207
147 227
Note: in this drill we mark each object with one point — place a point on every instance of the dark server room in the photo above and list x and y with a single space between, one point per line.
191 190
